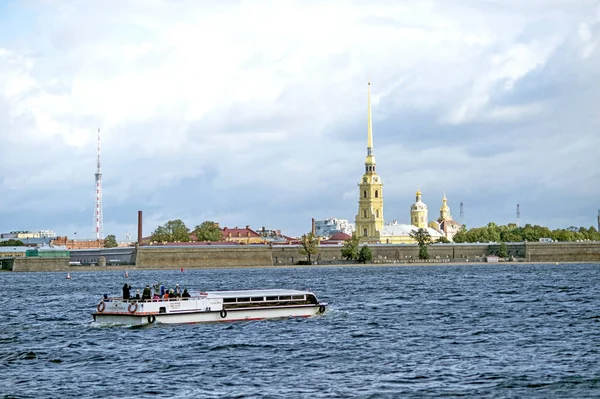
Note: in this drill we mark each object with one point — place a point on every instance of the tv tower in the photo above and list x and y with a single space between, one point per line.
98 234
518 215
462 213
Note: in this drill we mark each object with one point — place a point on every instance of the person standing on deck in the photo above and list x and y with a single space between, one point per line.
126 294
147 294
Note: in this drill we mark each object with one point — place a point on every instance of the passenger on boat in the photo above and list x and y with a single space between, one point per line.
147 293
177 290
137 294
172 295
156 287
166 295
162 290
126 294
185 294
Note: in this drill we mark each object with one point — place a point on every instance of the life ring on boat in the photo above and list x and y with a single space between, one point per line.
151 319
132 307
100 308
322 309
223 313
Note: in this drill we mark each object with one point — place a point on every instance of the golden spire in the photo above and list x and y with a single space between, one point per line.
370 139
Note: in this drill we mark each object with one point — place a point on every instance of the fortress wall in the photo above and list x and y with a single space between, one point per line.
192 257
563 251
259 255
40 264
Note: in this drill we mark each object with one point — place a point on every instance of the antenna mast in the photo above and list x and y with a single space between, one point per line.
98 222
462 213
518 215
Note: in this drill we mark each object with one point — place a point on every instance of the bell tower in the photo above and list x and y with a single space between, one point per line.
418 212
445 209
369 221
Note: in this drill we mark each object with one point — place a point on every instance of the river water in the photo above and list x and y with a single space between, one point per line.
426 331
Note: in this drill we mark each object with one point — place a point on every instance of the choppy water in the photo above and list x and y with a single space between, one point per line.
480 331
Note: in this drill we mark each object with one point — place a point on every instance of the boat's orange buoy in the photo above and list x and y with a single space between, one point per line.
182 270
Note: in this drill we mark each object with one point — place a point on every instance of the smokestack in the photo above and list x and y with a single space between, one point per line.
139 227
313 230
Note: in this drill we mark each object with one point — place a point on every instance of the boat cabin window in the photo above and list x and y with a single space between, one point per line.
272 298
257 299
297 296
226 300
284 297
243 299
312 299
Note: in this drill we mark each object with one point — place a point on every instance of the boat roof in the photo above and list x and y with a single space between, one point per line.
245 293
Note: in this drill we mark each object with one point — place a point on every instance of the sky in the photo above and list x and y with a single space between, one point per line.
255 113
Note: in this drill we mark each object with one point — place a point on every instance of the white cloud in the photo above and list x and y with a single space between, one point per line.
253 102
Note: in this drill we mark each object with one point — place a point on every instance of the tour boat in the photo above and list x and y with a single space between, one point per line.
212 306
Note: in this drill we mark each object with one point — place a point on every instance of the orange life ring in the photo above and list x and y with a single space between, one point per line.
132 307
100 307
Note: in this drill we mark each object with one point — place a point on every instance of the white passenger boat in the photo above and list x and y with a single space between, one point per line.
212 306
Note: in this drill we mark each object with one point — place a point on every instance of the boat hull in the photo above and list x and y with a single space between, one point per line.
207 316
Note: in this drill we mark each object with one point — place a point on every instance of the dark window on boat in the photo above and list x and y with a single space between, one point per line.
243 299
162 309
257 299
228 300
311 299
297 296
272 298
284 297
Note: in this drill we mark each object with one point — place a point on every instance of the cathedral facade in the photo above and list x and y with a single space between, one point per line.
370 226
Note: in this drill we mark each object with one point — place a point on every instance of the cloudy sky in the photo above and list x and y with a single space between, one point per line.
255 113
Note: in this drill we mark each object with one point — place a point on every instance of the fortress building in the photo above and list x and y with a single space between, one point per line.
370 226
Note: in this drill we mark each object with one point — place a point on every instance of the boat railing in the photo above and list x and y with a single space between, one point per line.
119 299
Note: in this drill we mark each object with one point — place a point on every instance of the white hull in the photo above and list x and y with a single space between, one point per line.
206 317
205 308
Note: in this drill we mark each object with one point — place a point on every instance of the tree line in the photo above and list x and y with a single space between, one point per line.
513 233
176 230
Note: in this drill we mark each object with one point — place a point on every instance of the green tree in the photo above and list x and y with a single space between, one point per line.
365 255
11 243
503 251
309 245
443 240
208 231
461 235
173 230
423 238
350 249
110 241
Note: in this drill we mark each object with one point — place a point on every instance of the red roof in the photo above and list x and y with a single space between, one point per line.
340 237
235 232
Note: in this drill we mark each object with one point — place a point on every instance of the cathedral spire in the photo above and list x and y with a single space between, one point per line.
370 138
370 161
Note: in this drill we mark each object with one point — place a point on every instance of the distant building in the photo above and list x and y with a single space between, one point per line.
76 244
328 227
13 252
19 235
445 224
241 236
336 239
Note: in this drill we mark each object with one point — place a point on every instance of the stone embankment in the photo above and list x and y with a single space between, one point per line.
207 256
259 255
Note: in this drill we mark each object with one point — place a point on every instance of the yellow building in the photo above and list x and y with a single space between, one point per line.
445 224
369 220
370 226
418 212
